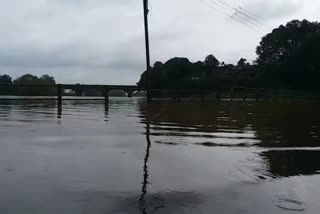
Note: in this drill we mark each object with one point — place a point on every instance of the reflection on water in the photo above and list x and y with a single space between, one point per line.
130 157
144 189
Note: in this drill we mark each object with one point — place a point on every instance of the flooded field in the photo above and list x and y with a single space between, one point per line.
166 157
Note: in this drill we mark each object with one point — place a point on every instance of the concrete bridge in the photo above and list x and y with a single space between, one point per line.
79 89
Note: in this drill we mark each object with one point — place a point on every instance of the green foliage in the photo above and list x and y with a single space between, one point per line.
285 41
180 73
35 91
288 58
5 79
292 52
4 90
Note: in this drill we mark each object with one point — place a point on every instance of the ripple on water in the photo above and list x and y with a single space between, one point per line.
290 204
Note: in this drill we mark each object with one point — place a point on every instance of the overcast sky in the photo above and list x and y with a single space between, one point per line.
102 41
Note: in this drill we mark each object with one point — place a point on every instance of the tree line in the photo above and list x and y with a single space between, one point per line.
26 90
287 58
44 91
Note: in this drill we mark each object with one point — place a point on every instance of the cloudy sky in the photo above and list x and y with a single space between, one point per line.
102 41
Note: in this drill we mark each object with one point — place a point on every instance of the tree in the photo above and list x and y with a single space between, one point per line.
168 75
35 90
46 79
242 63
27 79
291 55
4 90
211 61
302 70
5 79
285 41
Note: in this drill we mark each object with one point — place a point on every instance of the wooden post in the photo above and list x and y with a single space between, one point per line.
106 96
59 95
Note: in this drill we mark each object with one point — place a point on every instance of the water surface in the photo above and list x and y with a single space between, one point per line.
253 157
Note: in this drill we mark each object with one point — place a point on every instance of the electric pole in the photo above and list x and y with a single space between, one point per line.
146 11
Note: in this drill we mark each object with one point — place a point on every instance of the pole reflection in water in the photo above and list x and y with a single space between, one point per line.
145 183
59 108
106 111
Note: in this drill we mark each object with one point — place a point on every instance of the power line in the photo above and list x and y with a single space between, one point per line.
240 10
247 12
232 15
225 3
249 17
239 13
249 20
252 14
253 17
224 13
222 6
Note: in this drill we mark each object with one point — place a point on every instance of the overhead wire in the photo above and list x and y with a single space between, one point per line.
250 20
249 17
236 14
224 13
244 11
253 17
252 14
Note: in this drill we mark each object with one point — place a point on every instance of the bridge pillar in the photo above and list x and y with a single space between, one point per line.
130 93
79 92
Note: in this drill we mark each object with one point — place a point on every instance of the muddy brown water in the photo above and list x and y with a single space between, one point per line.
240 157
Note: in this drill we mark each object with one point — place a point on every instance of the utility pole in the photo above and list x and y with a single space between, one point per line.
146 11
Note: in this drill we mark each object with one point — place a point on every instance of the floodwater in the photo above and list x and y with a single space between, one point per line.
241 157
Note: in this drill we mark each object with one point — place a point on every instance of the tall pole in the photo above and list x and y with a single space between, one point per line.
146 11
